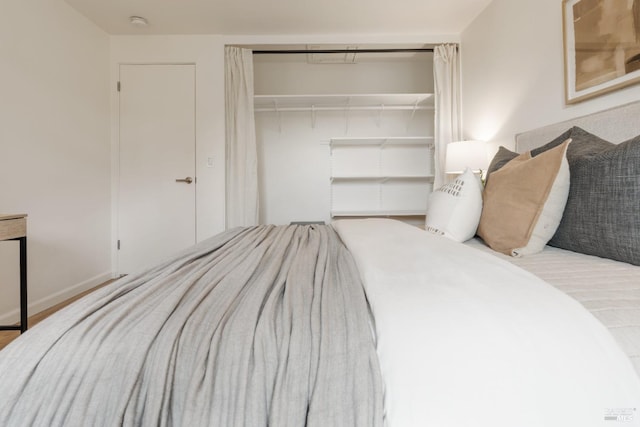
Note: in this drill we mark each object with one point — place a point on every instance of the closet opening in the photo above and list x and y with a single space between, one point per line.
343 131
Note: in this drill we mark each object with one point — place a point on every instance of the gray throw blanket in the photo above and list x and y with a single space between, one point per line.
259 326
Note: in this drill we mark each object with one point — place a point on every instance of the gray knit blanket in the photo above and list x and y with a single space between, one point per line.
259 326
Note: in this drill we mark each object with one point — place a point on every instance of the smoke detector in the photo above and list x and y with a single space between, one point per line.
138 21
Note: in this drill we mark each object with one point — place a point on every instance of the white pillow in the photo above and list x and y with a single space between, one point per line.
454 209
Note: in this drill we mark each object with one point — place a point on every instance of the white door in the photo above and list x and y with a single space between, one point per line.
156 211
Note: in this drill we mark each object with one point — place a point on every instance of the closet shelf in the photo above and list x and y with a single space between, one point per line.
380 175
342 102
382 141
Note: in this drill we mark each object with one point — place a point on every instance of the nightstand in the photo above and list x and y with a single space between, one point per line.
14 227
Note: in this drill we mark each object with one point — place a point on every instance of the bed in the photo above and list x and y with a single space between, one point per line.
609 289
368 322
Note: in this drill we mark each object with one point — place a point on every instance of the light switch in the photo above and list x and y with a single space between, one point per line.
209 162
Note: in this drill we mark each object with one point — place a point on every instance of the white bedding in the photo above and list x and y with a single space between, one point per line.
467 339
609 289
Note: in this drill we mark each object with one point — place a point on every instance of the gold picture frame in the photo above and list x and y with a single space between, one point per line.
601 46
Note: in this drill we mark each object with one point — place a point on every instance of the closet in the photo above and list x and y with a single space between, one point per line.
344 134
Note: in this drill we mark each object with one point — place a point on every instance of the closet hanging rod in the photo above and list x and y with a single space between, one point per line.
307 51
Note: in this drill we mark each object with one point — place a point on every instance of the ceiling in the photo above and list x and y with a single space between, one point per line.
282 16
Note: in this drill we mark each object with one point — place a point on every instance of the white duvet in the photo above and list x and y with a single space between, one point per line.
466 339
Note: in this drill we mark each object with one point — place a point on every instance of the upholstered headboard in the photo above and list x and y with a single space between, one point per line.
615 125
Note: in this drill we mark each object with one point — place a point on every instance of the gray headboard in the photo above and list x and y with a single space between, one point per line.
615 125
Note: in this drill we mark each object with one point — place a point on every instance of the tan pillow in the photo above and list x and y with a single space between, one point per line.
524 202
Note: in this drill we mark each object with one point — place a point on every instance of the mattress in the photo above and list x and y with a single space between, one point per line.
609 289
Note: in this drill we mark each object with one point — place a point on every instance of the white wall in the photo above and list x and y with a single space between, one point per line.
291 74
54 150
512 72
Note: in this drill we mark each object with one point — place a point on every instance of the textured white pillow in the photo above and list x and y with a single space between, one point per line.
454 209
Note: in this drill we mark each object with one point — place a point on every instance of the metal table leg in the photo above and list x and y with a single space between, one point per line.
23 284
23 290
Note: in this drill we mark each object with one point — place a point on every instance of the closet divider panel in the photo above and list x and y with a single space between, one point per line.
354 197
358 161
404 196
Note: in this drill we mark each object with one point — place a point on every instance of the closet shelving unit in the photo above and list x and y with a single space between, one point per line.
381 176
387 176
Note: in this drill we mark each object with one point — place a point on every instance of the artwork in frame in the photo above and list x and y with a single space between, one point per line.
601 46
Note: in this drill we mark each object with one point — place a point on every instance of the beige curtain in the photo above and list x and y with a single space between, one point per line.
241 150
447 103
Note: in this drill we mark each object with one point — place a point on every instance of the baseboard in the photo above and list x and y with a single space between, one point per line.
13 316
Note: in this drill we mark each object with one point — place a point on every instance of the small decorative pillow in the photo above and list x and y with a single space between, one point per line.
454 209
524 202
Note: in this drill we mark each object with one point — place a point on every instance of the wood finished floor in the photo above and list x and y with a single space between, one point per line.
7 336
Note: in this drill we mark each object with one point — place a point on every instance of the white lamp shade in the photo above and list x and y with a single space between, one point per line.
466 154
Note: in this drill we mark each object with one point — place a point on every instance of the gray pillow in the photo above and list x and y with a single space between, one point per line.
602 215
583 144
502 157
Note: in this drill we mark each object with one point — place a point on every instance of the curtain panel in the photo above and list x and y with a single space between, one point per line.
447 105
242 207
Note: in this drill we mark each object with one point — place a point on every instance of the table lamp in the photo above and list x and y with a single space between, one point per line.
466 154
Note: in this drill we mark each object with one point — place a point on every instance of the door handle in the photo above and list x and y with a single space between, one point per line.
188 180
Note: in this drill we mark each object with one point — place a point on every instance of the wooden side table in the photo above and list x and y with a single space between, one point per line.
14 227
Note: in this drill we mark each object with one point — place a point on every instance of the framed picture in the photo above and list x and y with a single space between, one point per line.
601 46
